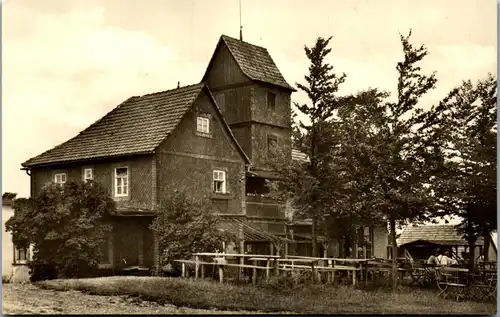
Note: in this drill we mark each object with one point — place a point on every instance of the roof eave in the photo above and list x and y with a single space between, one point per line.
26 166
288 87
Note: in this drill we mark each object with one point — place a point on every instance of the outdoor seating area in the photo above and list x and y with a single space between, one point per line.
450 281
455 281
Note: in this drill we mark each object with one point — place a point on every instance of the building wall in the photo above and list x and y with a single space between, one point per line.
7 245
260 134
140 178
281 115
13 272
235 102
246 111
224 69
186 160
380 242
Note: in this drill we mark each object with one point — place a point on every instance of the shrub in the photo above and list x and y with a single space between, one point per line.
66 226
6 279
184 226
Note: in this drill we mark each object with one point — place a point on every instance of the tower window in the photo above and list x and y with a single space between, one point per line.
272 144
271 101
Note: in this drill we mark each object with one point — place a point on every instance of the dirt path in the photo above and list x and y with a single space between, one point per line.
29 299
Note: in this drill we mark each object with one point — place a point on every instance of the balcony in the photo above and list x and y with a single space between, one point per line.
264 207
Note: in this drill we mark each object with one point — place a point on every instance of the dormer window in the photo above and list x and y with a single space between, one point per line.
271 101
203 125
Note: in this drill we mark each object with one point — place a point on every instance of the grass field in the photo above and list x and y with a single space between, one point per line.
310 299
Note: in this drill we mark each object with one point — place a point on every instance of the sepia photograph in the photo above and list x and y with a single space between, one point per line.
165 157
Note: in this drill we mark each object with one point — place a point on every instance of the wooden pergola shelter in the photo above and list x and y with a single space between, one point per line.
421 241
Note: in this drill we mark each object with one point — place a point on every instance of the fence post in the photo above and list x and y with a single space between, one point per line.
221 273
202 270
267 270
313 271
254 272
183 269
196 267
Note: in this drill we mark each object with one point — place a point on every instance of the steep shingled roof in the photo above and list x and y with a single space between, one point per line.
438 234
137 126
254 61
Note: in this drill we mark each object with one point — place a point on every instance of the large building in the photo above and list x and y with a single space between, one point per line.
211 139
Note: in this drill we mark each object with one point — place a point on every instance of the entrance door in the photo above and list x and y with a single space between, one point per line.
129 244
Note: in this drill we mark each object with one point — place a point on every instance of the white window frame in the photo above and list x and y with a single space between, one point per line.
219 176
127 187
17 258
85 178
203 125
60 181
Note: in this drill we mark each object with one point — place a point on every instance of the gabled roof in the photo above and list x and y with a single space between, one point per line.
137 126
437 234
254 61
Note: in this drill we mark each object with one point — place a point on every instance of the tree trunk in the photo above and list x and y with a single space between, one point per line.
392 224
486 238
314 237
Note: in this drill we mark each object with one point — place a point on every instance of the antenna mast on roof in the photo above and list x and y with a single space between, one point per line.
241 26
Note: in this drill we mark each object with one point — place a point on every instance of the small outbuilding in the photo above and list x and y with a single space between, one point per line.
420 241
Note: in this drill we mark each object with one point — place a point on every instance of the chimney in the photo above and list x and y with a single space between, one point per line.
178 84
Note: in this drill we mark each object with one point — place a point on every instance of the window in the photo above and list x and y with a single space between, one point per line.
271 101
366 242
219 182
20 255
272 144
60 178
87 174
203 125
121 181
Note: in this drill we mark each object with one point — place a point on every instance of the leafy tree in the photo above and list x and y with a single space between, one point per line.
66 225
385 160
466 125
9 196
314 138
185 225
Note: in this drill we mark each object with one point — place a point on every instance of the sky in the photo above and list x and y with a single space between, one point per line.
66 63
